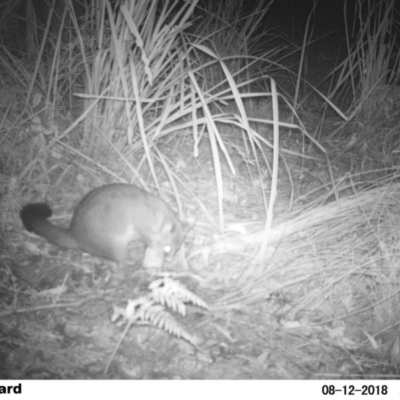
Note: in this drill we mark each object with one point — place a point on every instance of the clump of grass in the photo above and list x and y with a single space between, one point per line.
372 67
143 74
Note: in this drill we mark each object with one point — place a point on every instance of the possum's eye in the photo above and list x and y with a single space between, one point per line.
167 249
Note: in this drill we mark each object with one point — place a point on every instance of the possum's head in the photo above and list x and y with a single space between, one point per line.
173 233
170 238
169 241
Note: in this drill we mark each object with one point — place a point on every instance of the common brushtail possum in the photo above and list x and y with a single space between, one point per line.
108 219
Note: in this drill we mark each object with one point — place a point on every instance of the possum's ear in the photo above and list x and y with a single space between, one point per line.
187 226
169 227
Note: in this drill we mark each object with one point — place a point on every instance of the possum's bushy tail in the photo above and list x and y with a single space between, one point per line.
34 217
